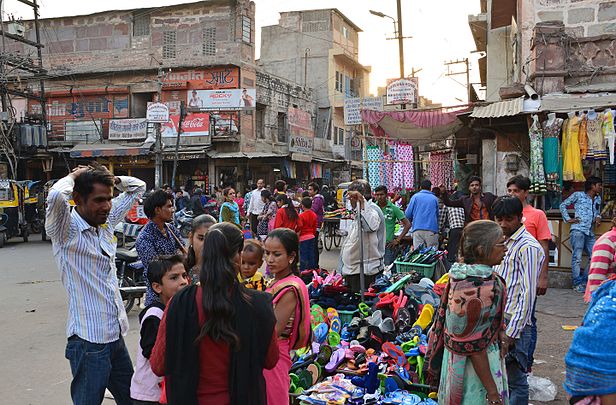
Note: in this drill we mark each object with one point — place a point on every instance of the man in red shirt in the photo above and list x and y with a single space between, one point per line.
536 223
307 233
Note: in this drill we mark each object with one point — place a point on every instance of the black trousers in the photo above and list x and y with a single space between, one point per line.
253 225
452 246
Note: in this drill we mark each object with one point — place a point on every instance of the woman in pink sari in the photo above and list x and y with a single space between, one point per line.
291 306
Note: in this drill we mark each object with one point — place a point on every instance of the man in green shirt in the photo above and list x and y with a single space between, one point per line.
393 214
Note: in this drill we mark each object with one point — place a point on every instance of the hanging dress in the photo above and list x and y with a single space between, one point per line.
583 137
537 175
596 137
572 161
441 169
609 132
552 159
404 171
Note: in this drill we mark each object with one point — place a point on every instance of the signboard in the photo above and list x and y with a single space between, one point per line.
222 100
301 137
227 77
195 124
128 129
354 105
83 130
402 91
157 112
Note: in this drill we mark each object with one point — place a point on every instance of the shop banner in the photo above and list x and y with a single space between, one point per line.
402 91
227 77
128 129
354 105
301 137
222 100
195 124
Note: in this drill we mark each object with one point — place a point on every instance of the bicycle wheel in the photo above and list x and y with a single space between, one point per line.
328 239
337 239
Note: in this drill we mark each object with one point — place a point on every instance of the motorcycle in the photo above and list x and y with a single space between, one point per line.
183 222
131 280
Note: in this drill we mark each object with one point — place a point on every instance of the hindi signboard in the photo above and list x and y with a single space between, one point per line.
222 100
301 137
354 105
128 129
402 91
157 112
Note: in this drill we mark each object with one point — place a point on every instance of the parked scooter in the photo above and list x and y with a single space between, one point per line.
183 222
130 277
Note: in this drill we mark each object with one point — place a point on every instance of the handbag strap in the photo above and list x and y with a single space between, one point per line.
177 240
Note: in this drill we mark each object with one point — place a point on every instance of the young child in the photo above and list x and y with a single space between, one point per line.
307 234
252 260
167 275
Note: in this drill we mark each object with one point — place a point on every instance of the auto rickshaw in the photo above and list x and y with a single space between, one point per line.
34 217
43 206
341 193
12 212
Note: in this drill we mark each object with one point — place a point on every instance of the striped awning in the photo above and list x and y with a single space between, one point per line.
506 108
87 150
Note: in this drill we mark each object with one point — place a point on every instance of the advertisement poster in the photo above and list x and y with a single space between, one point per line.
195 124
227 77
301 137
354 105
128 129
222 100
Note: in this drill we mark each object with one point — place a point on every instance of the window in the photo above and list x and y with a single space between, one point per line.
260 121
169 51
246 28
209 42
282 127
339 81
345 32
141 24
338 136
347 86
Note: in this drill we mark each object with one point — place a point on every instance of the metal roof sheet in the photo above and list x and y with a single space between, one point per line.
506 108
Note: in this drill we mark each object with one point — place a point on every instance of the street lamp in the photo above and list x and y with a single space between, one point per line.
398 33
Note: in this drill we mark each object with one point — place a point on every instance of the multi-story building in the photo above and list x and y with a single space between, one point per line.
320 49
104 68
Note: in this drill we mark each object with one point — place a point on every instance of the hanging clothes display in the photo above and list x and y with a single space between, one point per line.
375 158
441 169
404 170
572 161
537 175
316 170
552 160
608 131
583 136
596 137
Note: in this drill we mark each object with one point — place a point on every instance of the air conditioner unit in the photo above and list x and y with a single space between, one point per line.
16 28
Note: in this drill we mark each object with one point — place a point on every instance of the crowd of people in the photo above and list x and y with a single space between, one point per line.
214 331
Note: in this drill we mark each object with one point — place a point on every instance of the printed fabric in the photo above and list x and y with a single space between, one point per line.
586 210
536 174
404 171
609 132
596 137
441 169
375 157
552 159
572 160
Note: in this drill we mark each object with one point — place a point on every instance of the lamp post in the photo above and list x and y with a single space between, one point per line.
397 31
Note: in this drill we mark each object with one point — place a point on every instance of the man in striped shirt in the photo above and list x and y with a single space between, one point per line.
602 262
520 269
84 248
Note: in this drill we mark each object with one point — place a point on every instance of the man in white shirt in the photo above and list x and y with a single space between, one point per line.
256 206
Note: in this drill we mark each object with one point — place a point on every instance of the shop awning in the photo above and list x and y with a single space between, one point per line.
573 102
505 108
248 155
416 127
185 152
85 150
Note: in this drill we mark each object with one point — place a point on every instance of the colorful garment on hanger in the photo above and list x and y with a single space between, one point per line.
583 137
316 171
572 161
536 173
404 170
596 137
609 132
552 158
375 159
441 169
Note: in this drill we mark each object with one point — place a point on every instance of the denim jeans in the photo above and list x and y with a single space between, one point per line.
580 242
96 367
390 257
517 366
307 257
533 338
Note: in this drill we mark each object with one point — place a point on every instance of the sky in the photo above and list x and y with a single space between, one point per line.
439 31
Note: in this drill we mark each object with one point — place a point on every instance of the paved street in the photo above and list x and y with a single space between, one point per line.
33 301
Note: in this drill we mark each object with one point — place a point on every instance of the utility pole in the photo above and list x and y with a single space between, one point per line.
158 145
177 143
465 72
400 39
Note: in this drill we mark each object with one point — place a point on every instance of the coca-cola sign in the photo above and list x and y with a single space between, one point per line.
195 124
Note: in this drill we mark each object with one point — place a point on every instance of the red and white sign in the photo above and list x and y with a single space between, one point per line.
195 124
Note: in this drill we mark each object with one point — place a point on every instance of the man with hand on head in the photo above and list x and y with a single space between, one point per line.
84 247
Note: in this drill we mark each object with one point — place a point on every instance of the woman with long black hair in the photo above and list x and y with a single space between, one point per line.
216 338
287 216
291 306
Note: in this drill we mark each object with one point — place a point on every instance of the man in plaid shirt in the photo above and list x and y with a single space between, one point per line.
451 219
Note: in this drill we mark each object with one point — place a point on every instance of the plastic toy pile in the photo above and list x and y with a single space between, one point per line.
369 352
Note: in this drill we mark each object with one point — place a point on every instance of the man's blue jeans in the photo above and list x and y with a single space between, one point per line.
96 367
580 242
390 257
533 338
517 366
